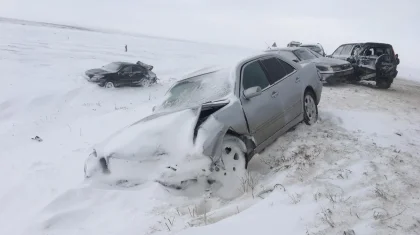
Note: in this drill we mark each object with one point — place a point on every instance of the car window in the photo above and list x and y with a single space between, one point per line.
369 52
289 69
304 54
346 50
254 75
314 48
112 67
275 70
338 50
137 69
199 89
317 55
289 55
355 50
126 69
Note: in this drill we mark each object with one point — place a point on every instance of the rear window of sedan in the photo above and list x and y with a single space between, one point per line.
289 55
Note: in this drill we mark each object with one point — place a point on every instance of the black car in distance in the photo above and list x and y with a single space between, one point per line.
371 61
117 74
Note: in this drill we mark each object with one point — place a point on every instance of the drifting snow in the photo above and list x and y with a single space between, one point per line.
358 168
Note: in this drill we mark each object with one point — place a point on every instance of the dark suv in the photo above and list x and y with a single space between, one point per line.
371 61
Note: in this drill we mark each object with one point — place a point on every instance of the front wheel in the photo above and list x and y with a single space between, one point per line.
228 172
109 85
310 108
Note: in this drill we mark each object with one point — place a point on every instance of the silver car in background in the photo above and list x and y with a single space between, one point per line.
230 113
332 70
315 47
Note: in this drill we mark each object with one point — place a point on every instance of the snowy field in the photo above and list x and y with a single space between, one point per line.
357 168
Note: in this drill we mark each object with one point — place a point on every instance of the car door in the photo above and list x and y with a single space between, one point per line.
284 79
367 63
138 74
263 112
126 75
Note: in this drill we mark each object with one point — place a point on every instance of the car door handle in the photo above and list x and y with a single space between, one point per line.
297 79
274 94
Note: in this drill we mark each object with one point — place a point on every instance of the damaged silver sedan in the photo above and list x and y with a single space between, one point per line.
212 123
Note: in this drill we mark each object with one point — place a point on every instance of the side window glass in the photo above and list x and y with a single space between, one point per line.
355 50
304 54
369 52
289 69
275 69
127 69
254 75
338 50
137 69
289 55
346 50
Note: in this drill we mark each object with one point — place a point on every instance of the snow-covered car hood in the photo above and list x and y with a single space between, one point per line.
329 61
97 72
152 136
159 147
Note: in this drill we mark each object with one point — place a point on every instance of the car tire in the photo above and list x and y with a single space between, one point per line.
383 83
229 171
109 85
144 82
310 108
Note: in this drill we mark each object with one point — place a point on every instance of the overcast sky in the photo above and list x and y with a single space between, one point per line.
242 22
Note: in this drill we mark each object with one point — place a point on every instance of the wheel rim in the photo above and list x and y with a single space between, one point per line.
310 109
144 82
229 171
232 158
109 85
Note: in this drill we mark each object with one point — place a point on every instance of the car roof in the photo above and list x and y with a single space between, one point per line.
123 63
309 45
377 43
283 49
230 66
366 43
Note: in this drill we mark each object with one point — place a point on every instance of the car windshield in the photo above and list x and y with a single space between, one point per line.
112 67
198 90
314 48
304 54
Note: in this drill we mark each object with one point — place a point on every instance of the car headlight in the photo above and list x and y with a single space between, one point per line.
323 68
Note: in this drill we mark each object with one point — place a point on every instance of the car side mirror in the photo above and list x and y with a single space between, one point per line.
252 92
297 61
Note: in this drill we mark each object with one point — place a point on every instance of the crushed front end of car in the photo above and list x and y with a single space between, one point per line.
175 149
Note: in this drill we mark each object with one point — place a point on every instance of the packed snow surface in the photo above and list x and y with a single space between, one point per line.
357 169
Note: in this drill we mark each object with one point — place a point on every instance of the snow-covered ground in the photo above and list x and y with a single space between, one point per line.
358 168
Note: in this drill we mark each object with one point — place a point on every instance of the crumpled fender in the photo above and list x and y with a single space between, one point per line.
210 137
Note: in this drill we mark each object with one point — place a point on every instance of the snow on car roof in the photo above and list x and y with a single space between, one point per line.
282 49
309 45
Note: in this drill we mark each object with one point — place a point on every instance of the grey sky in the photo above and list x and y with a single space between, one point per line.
242 22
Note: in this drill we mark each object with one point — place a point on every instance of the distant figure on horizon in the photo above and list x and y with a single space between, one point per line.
125 48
